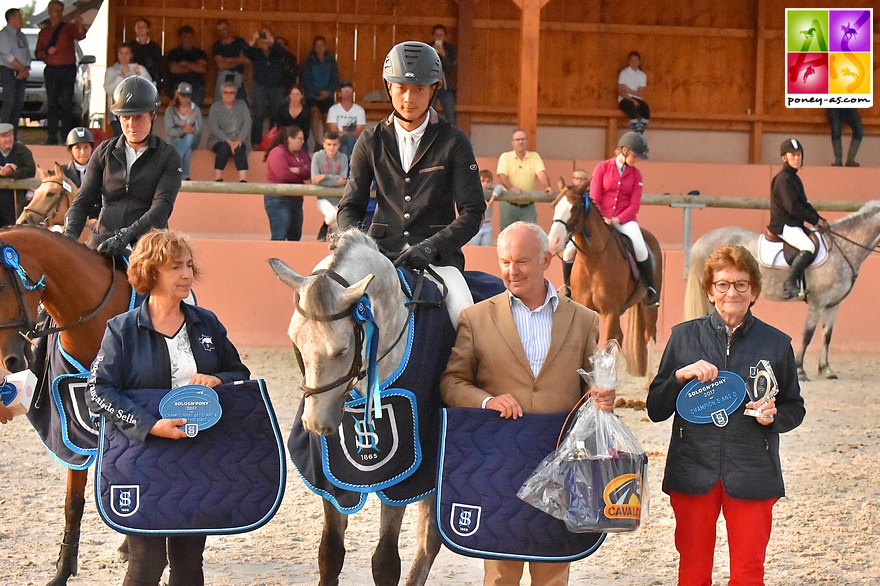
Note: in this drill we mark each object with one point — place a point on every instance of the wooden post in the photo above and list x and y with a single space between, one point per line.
464 80
529 67
756 138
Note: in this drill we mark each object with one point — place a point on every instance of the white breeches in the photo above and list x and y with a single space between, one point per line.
632 231
328 210
459 296
795 236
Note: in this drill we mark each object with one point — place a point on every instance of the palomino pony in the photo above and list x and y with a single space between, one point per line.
51 200
852 239
602 279
327 339
81 291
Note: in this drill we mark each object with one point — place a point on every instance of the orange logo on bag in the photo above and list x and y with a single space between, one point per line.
623 497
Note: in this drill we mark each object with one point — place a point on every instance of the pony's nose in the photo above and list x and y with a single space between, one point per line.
14 363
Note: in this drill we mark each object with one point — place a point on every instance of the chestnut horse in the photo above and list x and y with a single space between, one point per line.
602 278
80 290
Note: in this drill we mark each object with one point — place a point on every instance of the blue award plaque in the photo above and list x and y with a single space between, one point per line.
712 401
200 409
8 392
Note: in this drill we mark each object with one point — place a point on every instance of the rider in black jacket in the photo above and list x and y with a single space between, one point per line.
789 209
429 199
135 177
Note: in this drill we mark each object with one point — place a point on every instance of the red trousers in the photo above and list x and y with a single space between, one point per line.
748 532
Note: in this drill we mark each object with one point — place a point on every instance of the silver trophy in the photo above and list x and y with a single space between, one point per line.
763 387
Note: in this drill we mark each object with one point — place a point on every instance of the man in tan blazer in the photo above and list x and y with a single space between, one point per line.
519 352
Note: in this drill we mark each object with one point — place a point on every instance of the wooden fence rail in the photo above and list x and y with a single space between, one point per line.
525 197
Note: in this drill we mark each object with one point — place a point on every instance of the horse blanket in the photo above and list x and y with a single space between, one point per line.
352 463
227 479
770 254
484 460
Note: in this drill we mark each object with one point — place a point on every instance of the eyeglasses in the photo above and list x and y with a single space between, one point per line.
576 178
724 286
229 93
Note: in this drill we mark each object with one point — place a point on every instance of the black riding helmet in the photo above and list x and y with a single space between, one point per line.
415 63
78 135
134 95
636 143
791 145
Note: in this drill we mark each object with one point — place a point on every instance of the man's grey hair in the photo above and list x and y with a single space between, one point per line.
536 230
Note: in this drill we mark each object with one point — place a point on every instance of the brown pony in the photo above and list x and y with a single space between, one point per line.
81 291
51 200
602 278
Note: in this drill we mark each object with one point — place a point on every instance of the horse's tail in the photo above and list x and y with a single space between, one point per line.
640 330
695 302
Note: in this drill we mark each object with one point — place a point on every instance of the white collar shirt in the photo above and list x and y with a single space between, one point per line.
535 326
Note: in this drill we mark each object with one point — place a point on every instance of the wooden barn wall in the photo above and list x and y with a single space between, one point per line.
701 57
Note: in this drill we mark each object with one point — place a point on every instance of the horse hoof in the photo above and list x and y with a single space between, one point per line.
802 376
121 556
828 374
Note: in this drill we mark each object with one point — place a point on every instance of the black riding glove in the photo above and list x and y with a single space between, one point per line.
417 257
115 245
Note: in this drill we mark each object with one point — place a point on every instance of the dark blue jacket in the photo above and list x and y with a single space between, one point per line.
744 454
135 356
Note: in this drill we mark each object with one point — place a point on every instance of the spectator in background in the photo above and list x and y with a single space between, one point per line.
836 118
346 118
124 67
229 124
286 162
294 113
329 169
16 162
630 93
320 79
147 52
290 67
188 64
55 48
446 93
228 52
183 126
517 171
484 236
15 67
268 58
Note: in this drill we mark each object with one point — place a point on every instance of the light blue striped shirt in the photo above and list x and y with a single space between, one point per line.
14 45
534 327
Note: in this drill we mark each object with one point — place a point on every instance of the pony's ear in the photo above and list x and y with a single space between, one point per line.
58 170
43 174
561 184
356 291
287 275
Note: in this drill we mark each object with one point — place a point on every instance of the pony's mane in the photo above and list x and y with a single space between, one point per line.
867 210
344 244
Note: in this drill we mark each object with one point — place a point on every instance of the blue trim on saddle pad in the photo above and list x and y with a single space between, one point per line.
483 461
227 479
356 453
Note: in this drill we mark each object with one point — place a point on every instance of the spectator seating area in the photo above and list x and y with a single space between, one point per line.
232 235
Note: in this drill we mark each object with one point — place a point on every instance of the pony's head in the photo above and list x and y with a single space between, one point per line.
565 218
325 335
51 200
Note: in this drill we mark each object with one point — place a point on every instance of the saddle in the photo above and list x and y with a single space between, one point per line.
775 252
484 460
228 479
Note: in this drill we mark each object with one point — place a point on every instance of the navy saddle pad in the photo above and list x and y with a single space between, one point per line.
484 460
227 479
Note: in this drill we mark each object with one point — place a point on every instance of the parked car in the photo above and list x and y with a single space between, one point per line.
35 93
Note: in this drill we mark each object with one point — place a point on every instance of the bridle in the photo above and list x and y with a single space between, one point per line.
65 193
357 371
25 282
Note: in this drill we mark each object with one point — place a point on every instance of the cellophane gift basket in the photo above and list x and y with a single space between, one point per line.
597 479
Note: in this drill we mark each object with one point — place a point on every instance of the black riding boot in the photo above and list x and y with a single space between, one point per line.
566 277
647 273
792 285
